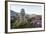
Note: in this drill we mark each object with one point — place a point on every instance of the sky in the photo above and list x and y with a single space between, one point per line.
29 9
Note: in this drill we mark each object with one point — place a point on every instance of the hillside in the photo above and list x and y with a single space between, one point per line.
29 21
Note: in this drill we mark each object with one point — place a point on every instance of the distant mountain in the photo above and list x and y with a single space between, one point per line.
33 15
13 13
